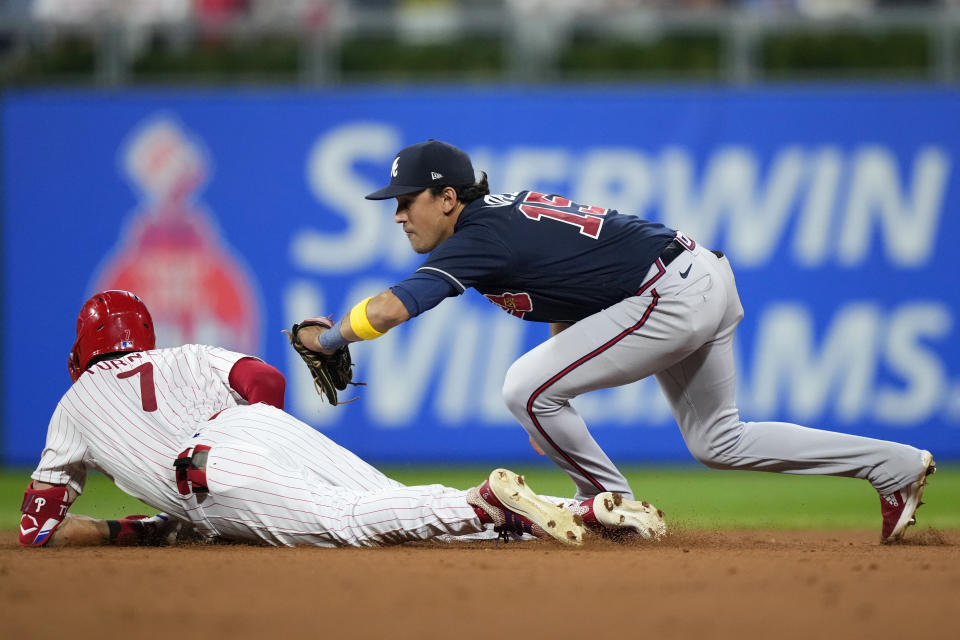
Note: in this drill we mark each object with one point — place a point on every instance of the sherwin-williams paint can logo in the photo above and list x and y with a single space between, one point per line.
173 255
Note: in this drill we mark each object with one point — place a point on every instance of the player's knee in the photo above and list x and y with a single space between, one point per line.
517 389
717 449
708 458
699 450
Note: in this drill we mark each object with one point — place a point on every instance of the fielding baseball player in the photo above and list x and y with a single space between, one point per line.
626 299
198 433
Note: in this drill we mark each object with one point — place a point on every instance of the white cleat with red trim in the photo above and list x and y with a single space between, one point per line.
614 517
515 509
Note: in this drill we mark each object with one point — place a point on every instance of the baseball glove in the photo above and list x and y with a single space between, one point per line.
331 372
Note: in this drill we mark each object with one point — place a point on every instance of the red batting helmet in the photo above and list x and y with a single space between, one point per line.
110 322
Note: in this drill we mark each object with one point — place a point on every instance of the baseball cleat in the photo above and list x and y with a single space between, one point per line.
515 510
610 515
900 507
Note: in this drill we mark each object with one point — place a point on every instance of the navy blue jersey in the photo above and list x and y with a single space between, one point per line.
539 257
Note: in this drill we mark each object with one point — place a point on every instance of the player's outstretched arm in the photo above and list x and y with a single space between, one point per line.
132 531
44 522
369 319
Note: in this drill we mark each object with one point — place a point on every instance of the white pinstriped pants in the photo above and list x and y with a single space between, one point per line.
679 328
275 479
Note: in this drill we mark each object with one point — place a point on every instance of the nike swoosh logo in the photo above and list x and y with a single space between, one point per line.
686 272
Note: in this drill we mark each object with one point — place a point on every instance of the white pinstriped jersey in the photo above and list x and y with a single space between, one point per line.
272 478
130 417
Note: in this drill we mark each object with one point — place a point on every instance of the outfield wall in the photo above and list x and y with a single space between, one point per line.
234 213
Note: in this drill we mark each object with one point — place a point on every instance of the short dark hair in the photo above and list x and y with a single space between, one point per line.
466 193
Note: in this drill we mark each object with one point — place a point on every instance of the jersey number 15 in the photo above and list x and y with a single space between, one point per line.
589 219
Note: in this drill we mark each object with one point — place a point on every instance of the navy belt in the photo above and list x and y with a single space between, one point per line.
671 252
675 248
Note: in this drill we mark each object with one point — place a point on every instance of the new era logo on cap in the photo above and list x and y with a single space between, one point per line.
424 165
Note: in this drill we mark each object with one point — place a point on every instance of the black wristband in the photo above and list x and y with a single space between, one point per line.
114 527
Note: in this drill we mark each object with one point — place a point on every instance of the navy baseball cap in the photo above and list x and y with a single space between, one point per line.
423 165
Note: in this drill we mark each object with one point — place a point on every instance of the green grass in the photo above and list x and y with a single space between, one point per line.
692 497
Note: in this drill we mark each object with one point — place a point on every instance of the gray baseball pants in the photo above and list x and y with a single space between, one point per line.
679 329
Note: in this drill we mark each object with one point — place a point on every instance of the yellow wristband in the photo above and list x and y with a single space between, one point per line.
360 323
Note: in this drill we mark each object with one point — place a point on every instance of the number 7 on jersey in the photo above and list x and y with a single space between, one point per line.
148 394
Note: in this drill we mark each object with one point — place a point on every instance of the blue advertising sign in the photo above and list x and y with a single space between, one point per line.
235 213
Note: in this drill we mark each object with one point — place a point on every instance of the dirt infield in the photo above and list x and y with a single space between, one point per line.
728 584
